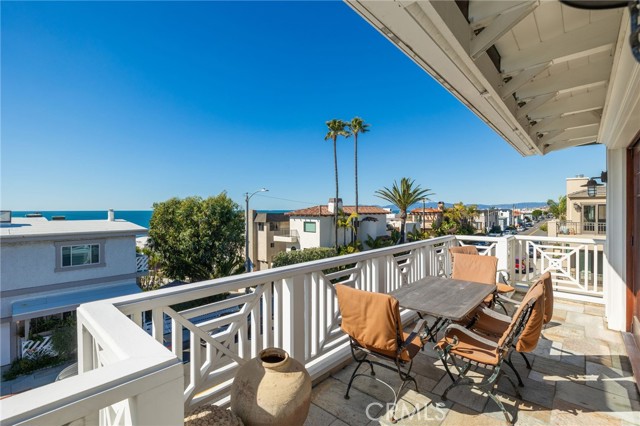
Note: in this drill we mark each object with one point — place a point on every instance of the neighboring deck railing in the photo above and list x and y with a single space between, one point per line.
142 263
293 307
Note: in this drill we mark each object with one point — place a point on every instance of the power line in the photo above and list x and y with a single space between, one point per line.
286 199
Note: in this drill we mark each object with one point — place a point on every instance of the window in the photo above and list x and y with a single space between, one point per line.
273 226
87 254
273 245
309 227
79 254
261 226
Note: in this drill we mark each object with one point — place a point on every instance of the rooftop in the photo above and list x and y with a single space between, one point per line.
23 228
324 211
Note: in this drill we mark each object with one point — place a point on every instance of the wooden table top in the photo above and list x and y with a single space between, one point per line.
443 297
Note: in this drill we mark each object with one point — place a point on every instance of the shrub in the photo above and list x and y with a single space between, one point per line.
544 227
299 256
25 365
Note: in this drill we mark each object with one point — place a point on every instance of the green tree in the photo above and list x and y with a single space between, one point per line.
457 220
558 208
357 126
403 196
346 223
196 239
336 128
536 213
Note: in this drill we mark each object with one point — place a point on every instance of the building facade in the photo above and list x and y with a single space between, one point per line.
50 267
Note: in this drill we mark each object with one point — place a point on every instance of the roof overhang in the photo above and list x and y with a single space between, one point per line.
543 75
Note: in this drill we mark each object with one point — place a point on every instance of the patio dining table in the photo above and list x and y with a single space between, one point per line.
443 298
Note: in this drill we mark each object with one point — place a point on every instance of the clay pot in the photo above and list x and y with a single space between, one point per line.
271 389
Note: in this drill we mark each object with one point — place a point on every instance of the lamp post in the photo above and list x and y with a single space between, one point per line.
247 262
424 200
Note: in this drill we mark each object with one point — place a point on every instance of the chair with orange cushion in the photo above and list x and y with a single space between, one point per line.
463 348
372 321
491 323
500 279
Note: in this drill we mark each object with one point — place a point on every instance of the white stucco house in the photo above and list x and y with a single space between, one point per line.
314 225
51 267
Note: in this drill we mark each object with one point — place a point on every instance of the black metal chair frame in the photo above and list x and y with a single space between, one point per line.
489 383
398 362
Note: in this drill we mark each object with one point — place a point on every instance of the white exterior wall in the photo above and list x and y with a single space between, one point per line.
323 237
616 242
33 264
374 229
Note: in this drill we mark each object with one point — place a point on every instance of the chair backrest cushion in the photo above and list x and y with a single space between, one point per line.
371 319
479 269
548 297
463 250
535 291
530 335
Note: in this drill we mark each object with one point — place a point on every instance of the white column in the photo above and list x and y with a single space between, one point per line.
615 248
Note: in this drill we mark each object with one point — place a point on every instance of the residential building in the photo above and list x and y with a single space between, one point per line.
426 217
586 213
505 219
269 234
314 225
545 77
485 219
51 267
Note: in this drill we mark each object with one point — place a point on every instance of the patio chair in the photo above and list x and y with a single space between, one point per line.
493 324
502 275
372 321
464 349
470 267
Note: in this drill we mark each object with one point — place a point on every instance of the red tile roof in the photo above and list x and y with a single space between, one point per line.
324 211
428 210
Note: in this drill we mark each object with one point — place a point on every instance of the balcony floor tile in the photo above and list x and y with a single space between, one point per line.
580 376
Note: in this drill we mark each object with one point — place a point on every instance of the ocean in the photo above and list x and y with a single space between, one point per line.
139 217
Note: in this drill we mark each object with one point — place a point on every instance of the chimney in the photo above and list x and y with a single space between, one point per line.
441 206
111 216
332 205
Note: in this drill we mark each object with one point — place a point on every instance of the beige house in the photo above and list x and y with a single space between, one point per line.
269 234
425 217
586 214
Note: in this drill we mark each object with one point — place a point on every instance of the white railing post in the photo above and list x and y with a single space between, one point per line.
502 253
293 332
379 275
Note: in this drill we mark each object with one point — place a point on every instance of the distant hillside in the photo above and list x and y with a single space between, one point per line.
522 205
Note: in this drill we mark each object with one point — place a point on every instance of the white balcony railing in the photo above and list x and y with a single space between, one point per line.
142 263
130 377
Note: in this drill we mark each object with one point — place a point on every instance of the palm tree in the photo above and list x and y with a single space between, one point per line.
403 196
558 209
336 128
356 127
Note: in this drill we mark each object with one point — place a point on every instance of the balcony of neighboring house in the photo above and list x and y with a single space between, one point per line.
136 357
285 235
580 228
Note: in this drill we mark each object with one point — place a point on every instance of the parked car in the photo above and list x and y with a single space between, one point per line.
521 267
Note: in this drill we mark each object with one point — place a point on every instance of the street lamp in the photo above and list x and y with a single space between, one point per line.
424 200
248 267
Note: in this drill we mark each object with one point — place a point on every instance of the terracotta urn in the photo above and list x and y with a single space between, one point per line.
271 389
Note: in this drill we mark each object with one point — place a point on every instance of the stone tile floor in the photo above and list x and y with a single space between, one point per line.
580 376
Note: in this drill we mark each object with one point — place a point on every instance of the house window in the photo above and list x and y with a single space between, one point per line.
273 226
87 254
309 227
260 226
73 255
273 245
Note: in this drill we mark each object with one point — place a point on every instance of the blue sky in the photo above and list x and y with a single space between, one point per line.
123 104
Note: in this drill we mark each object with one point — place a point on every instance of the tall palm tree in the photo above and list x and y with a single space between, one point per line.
403 196
356 127
336 128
